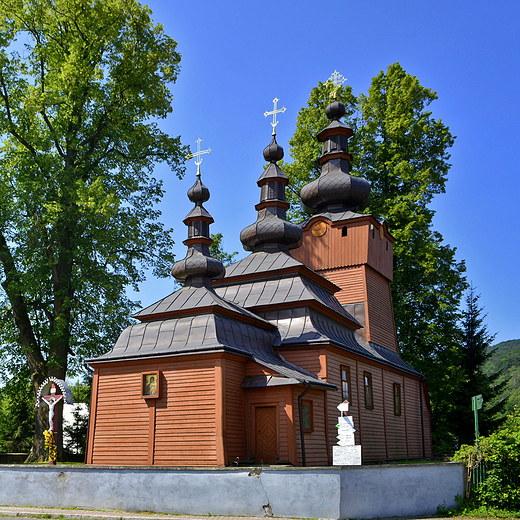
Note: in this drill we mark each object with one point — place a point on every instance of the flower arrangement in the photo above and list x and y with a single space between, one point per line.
50 445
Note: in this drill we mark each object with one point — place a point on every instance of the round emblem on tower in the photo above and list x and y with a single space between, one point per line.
319 229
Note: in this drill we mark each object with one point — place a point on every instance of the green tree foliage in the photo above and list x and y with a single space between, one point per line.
505 359
500 452
217 250
82 85
77 433
16 416
475 351
403 151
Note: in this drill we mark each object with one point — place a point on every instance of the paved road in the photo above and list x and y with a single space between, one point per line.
82 514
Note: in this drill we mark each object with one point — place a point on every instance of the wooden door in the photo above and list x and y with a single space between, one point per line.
266 437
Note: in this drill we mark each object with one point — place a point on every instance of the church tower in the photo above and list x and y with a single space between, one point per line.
352 250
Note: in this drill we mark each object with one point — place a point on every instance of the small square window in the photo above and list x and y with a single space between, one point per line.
397 399
307 414
345 384
369 400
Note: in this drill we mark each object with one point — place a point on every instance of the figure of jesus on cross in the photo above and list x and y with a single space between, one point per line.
51 401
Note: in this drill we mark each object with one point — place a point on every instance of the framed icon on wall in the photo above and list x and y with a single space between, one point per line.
150 385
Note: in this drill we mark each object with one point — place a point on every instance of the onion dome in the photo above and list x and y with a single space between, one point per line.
335 189
272 232
198 268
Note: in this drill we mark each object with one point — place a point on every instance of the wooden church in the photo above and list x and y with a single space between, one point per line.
247 364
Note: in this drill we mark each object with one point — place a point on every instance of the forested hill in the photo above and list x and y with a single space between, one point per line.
507 358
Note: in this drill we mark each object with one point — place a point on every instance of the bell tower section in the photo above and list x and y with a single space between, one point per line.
352 250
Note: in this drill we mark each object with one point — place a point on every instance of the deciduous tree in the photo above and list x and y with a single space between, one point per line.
82 86
404 152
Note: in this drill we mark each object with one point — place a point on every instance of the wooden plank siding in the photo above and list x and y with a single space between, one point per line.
235 424
333 250
186 419
380 252
335 359
395 424
412 407
427 422
372 421
309 359
121 431
361 245
184 428
380 314
352 283
254 369
316 444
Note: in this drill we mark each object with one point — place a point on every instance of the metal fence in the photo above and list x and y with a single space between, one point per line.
480 470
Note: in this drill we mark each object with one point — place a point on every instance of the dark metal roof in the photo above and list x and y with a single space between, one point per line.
272 231
335 185
206 333
304 325
262 262
190 300
293 288
335 216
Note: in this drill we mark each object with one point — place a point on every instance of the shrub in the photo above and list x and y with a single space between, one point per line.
500 452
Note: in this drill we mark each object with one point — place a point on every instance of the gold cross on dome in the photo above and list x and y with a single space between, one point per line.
337 80
274 112
198 154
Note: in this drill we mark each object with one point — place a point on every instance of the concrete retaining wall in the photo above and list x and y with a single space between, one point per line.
354 492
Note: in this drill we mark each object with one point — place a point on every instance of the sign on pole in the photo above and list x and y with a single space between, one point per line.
476 405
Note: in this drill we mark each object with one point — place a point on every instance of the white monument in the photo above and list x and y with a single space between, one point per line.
346 453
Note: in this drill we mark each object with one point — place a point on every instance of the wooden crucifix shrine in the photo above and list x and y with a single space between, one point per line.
51 392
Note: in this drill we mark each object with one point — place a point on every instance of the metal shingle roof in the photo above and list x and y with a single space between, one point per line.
294 288
304 325
189 300
205 333
261 262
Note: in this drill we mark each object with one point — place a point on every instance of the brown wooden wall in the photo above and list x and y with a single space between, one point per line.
361 245
235 410
381 433
186 416
335 359
397 440
121 418
372 422
254 369
316 442
351 280
313 360
205 418
379 310
180 428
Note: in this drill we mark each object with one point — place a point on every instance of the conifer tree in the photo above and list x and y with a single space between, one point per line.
476 349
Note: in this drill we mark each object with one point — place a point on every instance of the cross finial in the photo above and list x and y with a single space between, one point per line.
274 112
336 79
198 154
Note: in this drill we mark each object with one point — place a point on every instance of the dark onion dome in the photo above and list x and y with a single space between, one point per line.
335 188
198 268
271 231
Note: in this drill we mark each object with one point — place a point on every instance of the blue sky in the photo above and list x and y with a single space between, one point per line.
238 56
